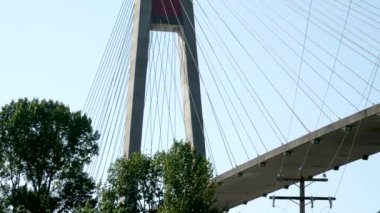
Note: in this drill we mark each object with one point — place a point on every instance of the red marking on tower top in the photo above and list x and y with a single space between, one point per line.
166 10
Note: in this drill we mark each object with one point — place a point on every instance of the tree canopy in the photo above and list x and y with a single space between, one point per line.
133 185
187 180
43 149
177 181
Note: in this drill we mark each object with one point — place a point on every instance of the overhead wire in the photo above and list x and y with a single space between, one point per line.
360 18
166 97
365 9
296 92
300 67
353 142
371 5
207 140
95 115
221 89
373 77
244 79
273 58
234 36
331 16
148 96
106 92
171 61
319 74
157 90
119 94
232 86
281 167
367 99
101 85
366 14
314 43
215 77
334 33
334 18
265 75
173 76
334 64
376 68
111 94
163 72
110 65
292 50
268 49
282 164
231 158
288 68
341 77
101 71
306 155
149 91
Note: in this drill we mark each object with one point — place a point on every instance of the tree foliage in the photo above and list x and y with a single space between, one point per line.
133 185
43 149
187 176
178 181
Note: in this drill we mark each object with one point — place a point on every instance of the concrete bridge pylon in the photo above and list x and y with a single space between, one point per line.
175 16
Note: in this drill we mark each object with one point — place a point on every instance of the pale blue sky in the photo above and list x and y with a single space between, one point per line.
52 49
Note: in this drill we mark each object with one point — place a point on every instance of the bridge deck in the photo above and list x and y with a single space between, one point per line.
258 176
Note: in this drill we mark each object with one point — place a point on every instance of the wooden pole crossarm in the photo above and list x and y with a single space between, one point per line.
299 198
299 179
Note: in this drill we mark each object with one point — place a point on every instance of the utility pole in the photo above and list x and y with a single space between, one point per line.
302 195
302 198
175 16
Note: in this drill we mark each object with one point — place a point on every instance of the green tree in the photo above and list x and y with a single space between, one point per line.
43 149
178 181
187 181
133 185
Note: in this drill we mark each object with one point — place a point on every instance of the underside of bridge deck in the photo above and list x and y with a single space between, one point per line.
347 140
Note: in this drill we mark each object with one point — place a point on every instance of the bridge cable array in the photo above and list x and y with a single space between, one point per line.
269 73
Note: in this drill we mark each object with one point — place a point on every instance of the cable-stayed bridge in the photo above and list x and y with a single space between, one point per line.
287 87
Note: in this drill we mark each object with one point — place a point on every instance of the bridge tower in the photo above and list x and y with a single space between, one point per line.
175 16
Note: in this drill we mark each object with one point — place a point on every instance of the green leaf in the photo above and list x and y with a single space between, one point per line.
44 147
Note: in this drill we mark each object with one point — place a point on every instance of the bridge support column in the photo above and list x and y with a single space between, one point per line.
164 15
137 76
190 80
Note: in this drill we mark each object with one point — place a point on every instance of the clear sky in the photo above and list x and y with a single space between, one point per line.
52 49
